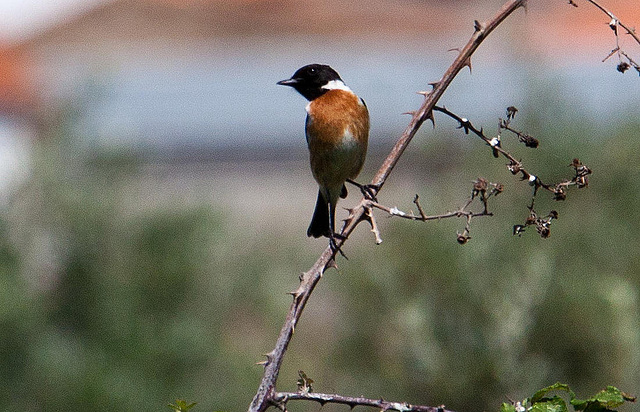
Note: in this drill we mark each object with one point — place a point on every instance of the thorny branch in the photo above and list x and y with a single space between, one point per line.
482 190
266 394
281 399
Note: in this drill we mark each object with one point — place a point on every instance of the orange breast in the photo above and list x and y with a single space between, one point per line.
337 135
335 113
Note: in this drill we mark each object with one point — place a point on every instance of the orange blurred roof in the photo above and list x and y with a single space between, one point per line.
560 28
554 28
16 93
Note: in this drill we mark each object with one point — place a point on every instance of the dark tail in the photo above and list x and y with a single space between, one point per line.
320 223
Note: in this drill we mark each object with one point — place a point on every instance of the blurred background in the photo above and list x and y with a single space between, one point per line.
155 193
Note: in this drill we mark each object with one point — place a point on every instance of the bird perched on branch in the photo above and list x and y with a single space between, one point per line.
337 130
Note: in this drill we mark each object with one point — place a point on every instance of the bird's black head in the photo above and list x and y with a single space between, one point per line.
310 79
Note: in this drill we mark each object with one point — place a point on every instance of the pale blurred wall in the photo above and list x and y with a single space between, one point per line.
157 74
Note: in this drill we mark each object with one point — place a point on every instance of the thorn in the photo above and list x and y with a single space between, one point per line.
429 116
434 84
296 294
331 265
374 227
411 112
265 362
424 93
468 64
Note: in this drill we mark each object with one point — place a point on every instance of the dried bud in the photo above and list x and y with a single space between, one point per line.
498 188
514 168
559 194
553 214
582 181
529 141
582 170
463 238
531 219
511 112
623 67
480 185
544 231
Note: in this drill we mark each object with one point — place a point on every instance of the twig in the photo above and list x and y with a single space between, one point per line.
266 390
480 190
615 21
559 190
515 166
281 398
394 211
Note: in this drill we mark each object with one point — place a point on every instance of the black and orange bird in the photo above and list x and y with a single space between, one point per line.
337 130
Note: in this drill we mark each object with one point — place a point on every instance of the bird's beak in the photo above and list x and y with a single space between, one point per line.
288 82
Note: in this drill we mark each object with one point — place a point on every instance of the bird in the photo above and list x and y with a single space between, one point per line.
337 133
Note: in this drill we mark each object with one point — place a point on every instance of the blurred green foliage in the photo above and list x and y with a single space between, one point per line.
107 307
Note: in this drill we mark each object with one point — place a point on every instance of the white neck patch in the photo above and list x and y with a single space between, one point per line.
336 84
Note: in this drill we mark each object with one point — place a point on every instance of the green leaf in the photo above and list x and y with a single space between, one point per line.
605 400
507 407
305 383
540 396
181 405
553 404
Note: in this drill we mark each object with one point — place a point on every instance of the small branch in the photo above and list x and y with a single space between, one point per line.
515 166
542 224
394 211
480 190
281 398
559 190
615 21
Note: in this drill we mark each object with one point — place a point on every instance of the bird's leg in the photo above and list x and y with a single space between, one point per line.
333 235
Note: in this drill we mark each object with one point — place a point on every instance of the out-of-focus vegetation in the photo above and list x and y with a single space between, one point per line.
107 307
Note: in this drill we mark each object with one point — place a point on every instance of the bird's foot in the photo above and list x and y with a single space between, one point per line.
334 245
369 191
